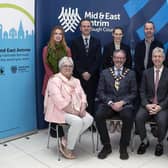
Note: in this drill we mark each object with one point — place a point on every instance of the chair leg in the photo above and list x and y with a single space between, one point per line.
49 127
80 138
93 144
58 143
97 143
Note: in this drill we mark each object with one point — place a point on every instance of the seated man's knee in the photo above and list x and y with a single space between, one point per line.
99 113
127 115
140 118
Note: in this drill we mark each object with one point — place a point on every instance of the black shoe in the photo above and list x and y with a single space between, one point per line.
104 152
159 150
142 148
123 153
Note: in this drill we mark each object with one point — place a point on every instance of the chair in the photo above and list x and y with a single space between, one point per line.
150 122
58 139
116 118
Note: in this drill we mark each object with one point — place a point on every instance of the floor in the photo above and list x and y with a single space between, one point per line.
31 152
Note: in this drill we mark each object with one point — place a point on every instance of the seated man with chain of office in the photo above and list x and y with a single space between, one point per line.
117 90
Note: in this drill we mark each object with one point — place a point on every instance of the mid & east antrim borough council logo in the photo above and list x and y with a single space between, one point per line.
69 19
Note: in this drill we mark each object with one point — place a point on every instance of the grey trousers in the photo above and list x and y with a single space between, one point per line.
77 126
161 119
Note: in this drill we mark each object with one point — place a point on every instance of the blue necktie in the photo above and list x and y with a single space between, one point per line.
118 72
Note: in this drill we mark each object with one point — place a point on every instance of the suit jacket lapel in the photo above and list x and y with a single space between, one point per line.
112 47
151 79
112 82
91 42
81 42
162 76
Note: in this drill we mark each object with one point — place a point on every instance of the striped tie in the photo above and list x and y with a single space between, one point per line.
86 45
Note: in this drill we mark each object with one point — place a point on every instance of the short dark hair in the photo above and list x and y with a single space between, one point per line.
85 19
150 22
118 27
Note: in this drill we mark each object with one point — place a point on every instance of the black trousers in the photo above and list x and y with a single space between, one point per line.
53 132
90 88
161 119
103 113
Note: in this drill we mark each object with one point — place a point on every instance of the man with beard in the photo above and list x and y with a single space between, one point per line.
116 93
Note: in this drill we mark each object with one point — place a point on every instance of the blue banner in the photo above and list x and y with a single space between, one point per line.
104 15
17 69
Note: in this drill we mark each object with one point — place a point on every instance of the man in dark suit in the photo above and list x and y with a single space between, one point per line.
116 92
154 102
86 54
143 50
143 58
166 59
117 43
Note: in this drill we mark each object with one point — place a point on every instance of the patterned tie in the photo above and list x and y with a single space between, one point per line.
86 42
155 100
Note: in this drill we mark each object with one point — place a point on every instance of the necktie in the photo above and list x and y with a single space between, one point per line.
118 72
155 100
86 45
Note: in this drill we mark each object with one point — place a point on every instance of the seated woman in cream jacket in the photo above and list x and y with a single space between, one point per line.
65 102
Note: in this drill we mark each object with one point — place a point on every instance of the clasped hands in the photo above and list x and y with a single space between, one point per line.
117 106
86 76
153 108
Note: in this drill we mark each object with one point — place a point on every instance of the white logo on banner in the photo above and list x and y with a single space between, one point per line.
69 19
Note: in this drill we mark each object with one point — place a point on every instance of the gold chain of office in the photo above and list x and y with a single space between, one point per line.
118 78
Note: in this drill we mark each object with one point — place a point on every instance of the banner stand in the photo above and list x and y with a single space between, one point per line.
3 141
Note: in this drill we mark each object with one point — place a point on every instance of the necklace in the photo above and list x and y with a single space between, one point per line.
118 78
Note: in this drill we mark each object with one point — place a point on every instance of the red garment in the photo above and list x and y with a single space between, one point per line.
48 71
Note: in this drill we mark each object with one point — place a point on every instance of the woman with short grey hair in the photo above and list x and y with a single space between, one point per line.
65 102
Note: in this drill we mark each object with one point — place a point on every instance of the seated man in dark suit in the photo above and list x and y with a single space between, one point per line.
154 101
116 92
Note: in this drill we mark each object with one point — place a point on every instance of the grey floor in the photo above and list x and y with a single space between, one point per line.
32 153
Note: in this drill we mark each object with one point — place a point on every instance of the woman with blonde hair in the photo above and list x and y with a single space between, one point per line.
52 53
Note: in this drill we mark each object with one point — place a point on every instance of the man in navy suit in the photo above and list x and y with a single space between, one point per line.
116 92
154 102
86 54
143 57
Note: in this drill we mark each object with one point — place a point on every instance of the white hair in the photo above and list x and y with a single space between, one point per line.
64 60
158 50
